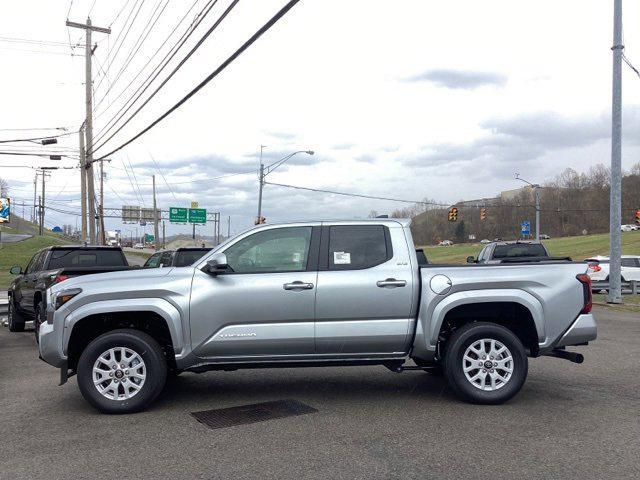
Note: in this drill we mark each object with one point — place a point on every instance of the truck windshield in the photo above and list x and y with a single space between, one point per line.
519 250
187 257
86 258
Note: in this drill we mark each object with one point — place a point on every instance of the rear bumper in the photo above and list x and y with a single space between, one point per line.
582 330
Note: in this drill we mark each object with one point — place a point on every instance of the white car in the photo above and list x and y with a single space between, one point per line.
599 268
138 245
484 241
445 243
628 228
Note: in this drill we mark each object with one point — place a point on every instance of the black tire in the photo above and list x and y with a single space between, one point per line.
16 320
458 344
37 320
140 343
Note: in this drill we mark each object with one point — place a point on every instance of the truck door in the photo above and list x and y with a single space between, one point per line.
365 288
265 306
26 287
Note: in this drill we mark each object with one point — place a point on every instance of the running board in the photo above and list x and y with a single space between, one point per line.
571 356
399 368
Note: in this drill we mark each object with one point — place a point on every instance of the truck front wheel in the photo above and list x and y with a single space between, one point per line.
485 363
121 371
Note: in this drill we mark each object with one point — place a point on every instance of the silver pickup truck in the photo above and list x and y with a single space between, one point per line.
315 294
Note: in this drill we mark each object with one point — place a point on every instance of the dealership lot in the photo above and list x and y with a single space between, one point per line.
569 421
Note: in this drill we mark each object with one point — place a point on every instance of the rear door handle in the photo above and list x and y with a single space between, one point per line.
391 283
297 285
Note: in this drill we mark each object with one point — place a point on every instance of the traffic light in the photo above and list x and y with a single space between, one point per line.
637 217
453 214
260 221
483 214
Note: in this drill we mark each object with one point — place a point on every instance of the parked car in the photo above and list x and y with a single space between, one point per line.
52 265
180 257
139 245
544 236
484 241
501 252
599 270
445 243
628 228
315 294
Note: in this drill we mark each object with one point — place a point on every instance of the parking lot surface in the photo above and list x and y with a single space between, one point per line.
569 421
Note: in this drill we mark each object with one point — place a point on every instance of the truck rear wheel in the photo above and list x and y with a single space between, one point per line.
15 319
485 363
122 371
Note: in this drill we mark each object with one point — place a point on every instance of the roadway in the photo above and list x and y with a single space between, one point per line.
569 421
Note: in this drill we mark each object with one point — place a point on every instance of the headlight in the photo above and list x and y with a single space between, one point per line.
62 297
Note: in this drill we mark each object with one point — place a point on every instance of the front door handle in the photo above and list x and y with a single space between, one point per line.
391 283
297 285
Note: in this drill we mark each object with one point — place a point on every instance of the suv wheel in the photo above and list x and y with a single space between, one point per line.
37 320
122 371
16 321
485 363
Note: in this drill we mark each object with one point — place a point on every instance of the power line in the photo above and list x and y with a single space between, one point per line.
160 65
163 177
39 138
281 13
137 46
107 128
119 13
630 65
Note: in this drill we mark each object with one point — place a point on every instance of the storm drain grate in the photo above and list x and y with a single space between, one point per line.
257 412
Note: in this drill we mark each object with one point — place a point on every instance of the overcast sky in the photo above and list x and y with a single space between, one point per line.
405 99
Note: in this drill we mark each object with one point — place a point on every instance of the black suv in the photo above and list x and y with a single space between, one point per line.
54 265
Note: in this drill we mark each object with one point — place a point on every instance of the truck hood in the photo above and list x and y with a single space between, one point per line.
139 276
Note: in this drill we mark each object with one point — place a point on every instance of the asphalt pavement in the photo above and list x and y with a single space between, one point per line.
569 421
13 237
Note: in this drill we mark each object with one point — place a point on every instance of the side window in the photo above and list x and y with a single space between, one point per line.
165 259
276 250
628 262
32 262
36 263
481 254
153 261
355 247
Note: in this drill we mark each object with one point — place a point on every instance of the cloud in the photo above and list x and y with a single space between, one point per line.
366 157
280 135
343 146
459 79
212 164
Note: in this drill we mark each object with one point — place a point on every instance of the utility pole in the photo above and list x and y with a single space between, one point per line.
163 236
615 203
228 226
83 187
103 237
40 215
155 215
88 28
35 189
537 194
261 180
42 204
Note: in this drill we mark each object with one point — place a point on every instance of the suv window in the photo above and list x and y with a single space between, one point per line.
165 259
629 262
35 263
153 261
85 258
354 247
185 258
277 250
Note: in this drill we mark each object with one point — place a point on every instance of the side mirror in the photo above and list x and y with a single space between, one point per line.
16 270
217 264
471 259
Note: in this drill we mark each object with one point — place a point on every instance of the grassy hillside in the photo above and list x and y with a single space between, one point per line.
578 248
19 253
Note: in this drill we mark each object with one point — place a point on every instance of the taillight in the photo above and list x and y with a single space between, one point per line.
594 267
60 278
585 280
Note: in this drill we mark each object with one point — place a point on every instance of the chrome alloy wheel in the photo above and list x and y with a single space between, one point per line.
119 373
487 364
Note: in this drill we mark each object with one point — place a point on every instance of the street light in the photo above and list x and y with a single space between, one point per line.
535 186
264 171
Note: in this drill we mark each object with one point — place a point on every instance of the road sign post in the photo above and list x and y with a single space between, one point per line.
525 228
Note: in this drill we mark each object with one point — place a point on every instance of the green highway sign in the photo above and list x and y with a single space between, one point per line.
149 238
178 215
198 215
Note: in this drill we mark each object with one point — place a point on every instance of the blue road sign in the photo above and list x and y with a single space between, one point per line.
525 228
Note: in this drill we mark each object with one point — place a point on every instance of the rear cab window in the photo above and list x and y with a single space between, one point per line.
357 247
73 258
519 250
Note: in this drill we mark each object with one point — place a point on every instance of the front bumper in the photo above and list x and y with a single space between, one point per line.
582 330
50 342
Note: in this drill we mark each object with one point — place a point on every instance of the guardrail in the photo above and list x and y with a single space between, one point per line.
632 287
